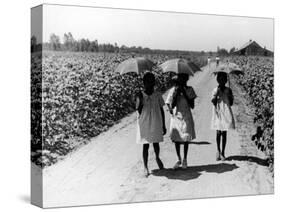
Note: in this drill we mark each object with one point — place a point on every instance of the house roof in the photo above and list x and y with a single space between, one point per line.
247 44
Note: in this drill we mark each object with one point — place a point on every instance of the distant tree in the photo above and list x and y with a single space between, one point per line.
101 47
133 49
68 41
218 49
84 45
146 50
55 42
139 49
106 47
93 46
33 43
116 48
123 48
65 41
88 45
222 52
75 46
232 50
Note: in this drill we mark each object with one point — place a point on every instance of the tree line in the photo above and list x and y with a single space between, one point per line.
85 45
68 43
35 46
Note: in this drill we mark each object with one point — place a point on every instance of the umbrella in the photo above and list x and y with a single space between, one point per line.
178 66
230 68
137 65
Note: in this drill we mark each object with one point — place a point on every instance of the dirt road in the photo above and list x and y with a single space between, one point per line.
109 168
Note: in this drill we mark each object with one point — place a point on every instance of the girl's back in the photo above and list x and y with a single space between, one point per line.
225 96
223 118
150 127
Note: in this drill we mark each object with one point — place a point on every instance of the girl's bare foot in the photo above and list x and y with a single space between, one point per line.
184 164
145 172
218 156
159 163
177 165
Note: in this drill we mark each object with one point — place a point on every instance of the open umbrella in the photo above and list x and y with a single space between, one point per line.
230 68
178 66
137 65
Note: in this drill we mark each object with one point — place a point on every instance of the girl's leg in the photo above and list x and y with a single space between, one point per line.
157 151
178 150
185 151
218 144
224 134
145 156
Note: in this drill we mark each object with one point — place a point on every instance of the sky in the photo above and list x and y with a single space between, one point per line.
157 30
36 23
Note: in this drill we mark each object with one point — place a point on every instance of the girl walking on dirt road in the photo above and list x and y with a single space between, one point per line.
180 101
222 119
151 121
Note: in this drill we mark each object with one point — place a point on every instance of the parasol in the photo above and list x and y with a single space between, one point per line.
178 66
137 65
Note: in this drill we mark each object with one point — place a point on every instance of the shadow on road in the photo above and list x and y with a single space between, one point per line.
193 172
200 142
179 174
259 161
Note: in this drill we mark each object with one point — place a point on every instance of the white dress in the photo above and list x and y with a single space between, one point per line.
149 122
182 124
222 118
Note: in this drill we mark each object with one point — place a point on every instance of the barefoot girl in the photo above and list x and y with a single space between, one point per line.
151 120
180 101
222 119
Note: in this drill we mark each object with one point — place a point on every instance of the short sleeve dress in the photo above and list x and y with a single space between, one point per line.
181 125
149 122
222 118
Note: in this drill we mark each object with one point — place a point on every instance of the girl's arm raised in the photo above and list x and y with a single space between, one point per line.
214 101
169 99
170 109
190 97
215 97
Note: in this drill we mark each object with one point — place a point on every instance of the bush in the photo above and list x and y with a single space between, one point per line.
82 96
259 84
